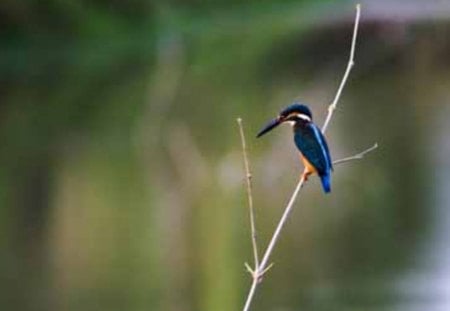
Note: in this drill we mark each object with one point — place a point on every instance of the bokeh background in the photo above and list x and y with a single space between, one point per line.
121 176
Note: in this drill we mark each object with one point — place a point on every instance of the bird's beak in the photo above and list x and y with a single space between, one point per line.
270 126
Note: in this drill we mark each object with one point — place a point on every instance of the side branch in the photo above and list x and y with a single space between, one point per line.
249 197
350 65
358 156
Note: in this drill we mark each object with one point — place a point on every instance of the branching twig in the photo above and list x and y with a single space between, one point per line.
260 269
358 156
250 197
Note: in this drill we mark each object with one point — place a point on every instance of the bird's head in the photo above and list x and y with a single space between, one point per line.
291 114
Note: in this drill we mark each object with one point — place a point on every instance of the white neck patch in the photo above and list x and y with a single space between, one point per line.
304 117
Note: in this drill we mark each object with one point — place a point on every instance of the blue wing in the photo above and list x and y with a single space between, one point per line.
311 143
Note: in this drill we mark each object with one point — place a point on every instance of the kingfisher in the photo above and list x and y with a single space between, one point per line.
309 140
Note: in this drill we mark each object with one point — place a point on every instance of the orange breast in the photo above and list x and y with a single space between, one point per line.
309 167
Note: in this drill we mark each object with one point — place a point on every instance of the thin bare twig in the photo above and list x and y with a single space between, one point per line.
249 196
258 273
350 65
358 156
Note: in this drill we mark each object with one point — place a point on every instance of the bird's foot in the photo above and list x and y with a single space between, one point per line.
305 175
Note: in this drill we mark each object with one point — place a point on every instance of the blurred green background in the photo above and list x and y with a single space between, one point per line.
121 176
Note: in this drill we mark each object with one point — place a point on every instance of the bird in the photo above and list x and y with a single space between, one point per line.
309 140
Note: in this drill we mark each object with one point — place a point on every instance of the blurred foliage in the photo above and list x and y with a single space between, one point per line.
121 177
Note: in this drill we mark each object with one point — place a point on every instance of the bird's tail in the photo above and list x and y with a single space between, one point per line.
326 182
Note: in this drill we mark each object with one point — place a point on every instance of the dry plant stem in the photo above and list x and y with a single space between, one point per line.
358 156
257 275
249 196
281 223
350 65
262 267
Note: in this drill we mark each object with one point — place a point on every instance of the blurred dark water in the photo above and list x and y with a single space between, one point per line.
121 184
